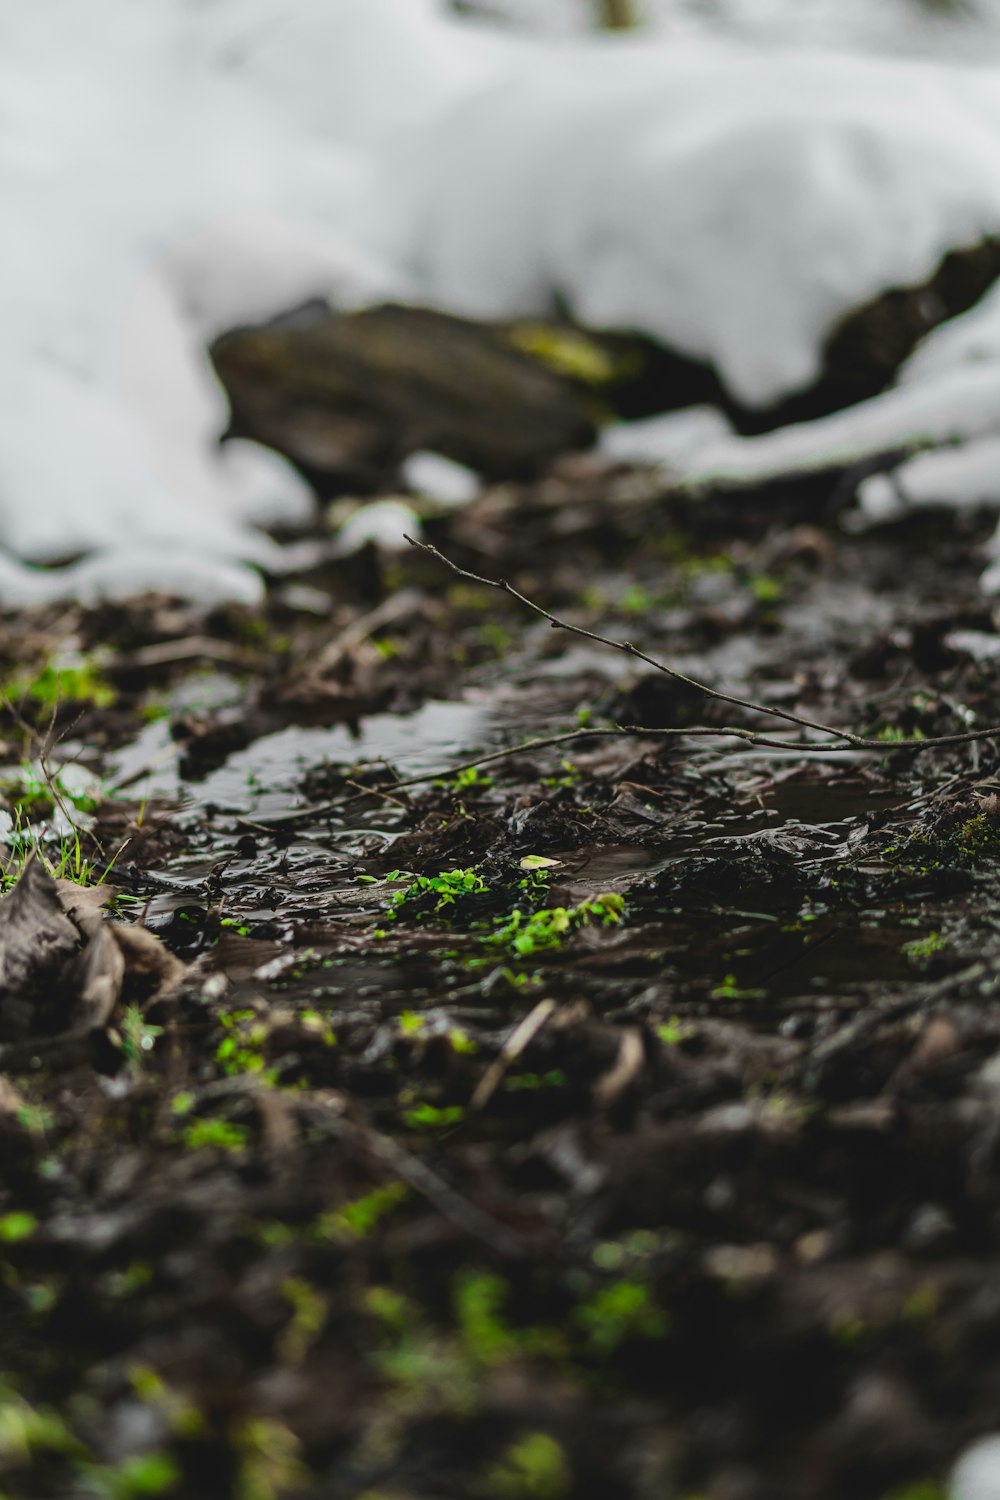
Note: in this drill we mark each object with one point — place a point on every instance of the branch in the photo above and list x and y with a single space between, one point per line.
842 737
837 739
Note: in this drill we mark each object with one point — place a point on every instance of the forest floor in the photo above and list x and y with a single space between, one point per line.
617 1118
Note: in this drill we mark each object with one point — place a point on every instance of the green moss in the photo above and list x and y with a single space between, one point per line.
922 1304
357 1218
429 1117
571 353
674 1031
69 679
517 1083
309 1310
924 947
17 1226
730 990
618 1312
442 890
527 933
766 590
479 1297
138 1037
145 1474
270 1463
534 1467
218 1135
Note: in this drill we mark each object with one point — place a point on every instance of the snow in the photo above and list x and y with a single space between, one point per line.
441 479
171 169
386 523
968 30
154 190
733 205
976 1476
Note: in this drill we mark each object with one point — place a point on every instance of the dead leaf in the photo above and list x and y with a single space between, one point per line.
145 954
84 904
37 939
101 976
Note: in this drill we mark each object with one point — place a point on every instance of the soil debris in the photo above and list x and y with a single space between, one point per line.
616 1116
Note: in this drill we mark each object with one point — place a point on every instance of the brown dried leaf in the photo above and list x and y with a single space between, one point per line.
36 936
84 904
101 976
145 954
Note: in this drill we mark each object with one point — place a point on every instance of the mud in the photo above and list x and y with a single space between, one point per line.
620 1117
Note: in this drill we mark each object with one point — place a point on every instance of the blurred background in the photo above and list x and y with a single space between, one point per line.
968 29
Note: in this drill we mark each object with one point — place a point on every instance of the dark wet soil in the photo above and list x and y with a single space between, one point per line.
619 1118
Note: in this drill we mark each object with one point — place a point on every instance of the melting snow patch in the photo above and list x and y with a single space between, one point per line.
450 484
976 1476
734 204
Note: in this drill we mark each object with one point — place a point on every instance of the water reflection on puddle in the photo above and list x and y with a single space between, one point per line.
259 777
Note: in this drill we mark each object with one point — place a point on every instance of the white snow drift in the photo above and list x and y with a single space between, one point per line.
173 168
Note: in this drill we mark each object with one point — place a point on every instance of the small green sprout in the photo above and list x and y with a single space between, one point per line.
636 600
518 1083
472 776
138 1036
535 932
35 1118
135 1478
924 947
533 1468
72 678
270 1459
27 1430
241 1051
479 1297
766 590
674 1031
892 733
357 1218
571 775
17 1226
450 886
309 1310
624 1310
218 1135
429 1117
730 990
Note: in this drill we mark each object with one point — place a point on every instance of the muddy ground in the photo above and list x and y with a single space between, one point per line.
618 1118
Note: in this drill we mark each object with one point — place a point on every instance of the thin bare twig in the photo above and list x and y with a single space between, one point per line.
545 742
837 740
520 1038
846 737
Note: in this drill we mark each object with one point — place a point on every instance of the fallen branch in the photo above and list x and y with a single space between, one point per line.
837 739
844 738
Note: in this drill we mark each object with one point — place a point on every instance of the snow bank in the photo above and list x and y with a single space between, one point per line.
172 168
909 28
734 206
976 1475
163 173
